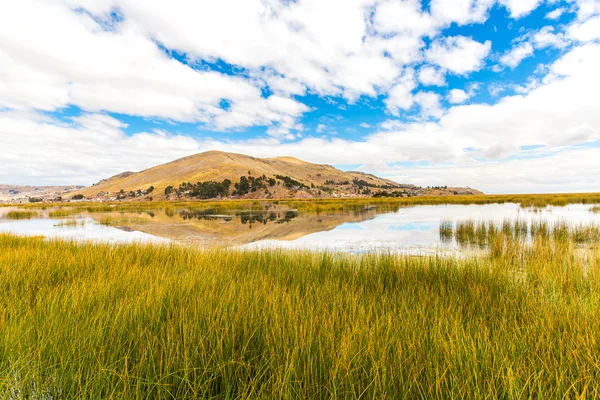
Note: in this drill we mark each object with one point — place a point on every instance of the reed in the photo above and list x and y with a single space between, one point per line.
482 233
71 223
21 214
446 230
139 321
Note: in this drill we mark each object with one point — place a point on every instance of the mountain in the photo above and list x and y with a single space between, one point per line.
279 177
24 194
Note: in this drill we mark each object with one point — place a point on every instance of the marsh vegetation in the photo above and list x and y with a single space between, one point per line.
21 215
141 321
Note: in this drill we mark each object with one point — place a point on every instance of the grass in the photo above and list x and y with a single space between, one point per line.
595 209
484 233
70 223
446 232
21 214
161 322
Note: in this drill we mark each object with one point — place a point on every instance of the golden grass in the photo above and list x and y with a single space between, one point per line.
139 321
21 214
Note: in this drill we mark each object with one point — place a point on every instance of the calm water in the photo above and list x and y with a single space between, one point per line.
409 230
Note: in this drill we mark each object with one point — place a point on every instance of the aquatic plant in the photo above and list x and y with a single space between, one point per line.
140 321
484 233
21 214
446 230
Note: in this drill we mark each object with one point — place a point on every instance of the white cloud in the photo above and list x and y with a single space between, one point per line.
53 55
457 96
431 76
458 54
400 95
520 8
429 103
365 125
587 8
404 16
546 37
517 54
460 11
576 170
33 145
119 70
585 31
556 13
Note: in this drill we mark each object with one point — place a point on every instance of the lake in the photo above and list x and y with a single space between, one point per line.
411 230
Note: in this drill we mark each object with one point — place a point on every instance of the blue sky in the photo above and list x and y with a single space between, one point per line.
497 95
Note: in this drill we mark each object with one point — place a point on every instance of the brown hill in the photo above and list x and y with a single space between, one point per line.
306 179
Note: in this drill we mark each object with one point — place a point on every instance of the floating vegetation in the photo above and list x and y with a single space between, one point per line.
595 209
118 221
21 215
71 223
446 232
484 233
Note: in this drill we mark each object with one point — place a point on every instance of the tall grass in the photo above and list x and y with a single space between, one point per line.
21 214
137 321
446 233
483 233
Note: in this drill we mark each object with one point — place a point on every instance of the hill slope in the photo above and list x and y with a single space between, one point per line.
288 177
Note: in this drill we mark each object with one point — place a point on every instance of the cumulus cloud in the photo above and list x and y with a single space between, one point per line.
458 54
559 116
119 70
517 54
151 61
554 173
431 76
520 8
457 96
556 13
585 31
400 95
429 103
546 37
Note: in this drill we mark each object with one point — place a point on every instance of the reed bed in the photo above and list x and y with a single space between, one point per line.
483 233
21 214
446 232
71 223
163 322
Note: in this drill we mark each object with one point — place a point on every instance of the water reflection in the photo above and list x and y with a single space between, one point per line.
415 230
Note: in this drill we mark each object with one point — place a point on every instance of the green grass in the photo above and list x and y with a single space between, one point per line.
137 321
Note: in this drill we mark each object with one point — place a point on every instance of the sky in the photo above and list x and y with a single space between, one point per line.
498 95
